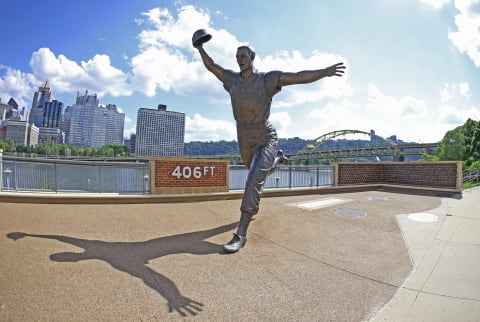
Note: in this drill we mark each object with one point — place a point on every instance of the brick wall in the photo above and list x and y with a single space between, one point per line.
445 175
173 175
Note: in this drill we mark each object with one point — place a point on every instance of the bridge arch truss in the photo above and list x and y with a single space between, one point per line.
325 147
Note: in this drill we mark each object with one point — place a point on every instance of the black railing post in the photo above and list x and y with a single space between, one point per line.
290 177
15 174
55 177
1 170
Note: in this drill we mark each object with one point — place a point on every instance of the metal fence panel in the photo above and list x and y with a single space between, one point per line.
471 176
77 177
22 174
286 177
34 176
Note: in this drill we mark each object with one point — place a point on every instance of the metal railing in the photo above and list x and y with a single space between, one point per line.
57 175
286 177
471 176
54 175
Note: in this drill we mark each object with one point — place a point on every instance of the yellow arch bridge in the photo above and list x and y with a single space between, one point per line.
329 147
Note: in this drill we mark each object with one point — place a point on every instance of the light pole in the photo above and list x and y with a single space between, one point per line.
7 172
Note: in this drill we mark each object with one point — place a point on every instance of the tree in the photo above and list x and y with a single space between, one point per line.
429 157
461 143
471 131
452 146
7 146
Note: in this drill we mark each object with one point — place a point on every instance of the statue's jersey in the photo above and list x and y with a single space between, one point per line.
251 98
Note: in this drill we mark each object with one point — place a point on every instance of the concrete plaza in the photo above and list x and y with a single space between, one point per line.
411 257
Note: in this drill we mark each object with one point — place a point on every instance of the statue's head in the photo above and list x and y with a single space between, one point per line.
245 57
249 50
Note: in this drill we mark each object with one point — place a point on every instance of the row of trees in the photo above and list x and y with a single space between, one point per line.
461 143
289 146
56 150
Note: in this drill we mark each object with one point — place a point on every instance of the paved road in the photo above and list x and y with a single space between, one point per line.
303 261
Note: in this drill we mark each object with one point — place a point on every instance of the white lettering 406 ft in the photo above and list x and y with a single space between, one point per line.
196 172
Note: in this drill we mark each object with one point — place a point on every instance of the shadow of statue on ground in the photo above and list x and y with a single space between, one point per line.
133 257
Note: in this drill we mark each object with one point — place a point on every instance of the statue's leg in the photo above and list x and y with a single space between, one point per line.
240 238
260 168
280 158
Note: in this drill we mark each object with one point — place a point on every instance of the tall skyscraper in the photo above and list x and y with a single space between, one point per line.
115 125
87 124
42 96
160 133
52 112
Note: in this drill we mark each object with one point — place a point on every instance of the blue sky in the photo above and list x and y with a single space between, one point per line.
413 65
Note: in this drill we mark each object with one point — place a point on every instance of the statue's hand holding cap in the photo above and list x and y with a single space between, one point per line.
200 37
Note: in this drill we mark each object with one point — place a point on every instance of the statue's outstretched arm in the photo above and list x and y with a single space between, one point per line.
309 76
213 67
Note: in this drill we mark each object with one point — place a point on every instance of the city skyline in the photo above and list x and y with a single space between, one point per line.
412 65
89 124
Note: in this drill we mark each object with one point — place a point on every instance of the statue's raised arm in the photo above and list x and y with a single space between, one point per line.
199 38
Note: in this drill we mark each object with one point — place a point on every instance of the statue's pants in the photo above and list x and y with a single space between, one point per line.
258 147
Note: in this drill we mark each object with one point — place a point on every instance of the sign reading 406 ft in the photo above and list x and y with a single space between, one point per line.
173 175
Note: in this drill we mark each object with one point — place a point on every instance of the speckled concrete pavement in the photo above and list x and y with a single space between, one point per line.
445 285
155 262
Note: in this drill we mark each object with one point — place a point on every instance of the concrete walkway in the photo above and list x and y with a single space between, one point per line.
445 285
308 258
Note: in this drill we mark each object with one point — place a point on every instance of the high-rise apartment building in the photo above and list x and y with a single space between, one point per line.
159 133
87 124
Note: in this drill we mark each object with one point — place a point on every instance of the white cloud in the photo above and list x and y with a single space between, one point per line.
167 59
393 107
451 92
446 93
281 121
18 85
129 131
67 76
464 89
454 116
199 128
408 117
436 4
169 31
467 36
338 115
333 87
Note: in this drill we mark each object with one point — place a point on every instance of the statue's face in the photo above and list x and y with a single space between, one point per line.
243 59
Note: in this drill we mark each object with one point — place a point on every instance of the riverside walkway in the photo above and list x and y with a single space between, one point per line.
371 255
